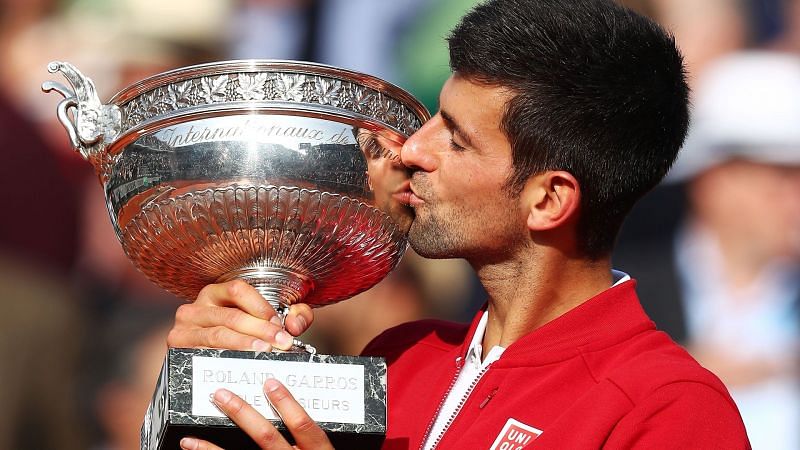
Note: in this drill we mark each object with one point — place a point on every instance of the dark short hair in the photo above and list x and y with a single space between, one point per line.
598 91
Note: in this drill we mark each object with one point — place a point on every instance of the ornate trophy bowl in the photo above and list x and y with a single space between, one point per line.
283 174
259 170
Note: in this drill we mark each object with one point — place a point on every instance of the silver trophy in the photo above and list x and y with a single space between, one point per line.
283 174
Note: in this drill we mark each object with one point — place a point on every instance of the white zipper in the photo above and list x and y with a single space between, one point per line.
460 405
459 365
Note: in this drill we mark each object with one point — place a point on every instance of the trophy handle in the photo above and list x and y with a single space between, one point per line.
90 124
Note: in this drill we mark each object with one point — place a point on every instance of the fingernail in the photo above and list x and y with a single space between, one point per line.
276 320
302 321
222 396
284 339
271 385
214 403
188 443
261 346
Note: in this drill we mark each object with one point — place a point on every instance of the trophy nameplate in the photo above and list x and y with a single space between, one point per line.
345 395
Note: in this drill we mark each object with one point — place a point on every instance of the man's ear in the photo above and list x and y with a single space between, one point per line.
553 198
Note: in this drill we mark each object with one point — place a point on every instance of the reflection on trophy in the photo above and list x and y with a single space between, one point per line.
283 174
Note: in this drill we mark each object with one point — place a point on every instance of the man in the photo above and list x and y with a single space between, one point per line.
559 115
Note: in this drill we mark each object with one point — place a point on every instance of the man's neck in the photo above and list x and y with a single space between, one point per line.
524 295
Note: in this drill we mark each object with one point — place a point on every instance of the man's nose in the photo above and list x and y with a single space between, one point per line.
415 153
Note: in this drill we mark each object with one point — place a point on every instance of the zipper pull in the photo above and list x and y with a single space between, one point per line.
488 397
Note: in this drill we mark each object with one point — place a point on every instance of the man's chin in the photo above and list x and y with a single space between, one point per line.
426 252
429 244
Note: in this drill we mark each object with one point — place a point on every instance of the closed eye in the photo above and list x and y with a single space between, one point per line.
455 146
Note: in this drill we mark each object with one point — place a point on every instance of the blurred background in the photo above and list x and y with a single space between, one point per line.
715 248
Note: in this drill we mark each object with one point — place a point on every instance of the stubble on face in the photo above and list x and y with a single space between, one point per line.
432 235
459 230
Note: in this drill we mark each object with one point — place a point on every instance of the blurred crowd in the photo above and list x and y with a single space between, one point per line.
715 248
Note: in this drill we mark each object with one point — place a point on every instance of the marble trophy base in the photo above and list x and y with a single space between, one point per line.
345 395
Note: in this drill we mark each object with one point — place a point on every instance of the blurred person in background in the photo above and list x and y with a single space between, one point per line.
707 30
127 368
790 39
365 35
37 190
360 35
273 29
40 352
64 273
41 325
731 289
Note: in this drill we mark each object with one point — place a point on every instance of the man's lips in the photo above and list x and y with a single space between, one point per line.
406 196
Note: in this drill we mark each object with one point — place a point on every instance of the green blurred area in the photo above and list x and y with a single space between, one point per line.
422 54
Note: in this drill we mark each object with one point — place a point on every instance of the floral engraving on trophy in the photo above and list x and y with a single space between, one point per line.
327 91
364 100
251 87
149 103
408 122
134 113
180 94
383 105
290 87
346 97
214 88
267 86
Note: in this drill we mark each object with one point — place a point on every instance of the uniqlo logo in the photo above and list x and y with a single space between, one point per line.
515 435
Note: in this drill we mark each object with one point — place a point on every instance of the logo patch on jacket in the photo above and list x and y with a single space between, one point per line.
515 435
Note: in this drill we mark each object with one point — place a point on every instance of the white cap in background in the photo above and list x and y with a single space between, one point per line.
745 106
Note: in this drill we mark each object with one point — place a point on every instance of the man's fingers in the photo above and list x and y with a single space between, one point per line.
195 316
239 294
299 319
190 443
307 434
215 337
251 421
235 316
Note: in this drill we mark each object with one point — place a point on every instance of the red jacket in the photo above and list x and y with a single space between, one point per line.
600 376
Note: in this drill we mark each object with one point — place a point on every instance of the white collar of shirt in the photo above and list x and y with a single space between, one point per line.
475 351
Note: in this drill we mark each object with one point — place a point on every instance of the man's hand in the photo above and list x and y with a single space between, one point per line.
234 316
306 433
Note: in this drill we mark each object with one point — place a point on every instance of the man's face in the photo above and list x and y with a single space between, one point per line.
460 162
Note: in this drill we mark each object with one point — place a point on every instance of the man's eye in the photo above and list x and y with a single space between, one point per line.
455 146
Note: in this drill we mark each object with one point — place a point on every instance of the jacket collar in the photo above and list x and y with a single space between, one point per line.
608 318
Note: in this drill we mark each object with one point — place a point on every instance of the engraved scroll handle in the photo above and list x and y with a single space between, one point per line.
90 124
